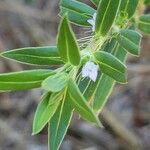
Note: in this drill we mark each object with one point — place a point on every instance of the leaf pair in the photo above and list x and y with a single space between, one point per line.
23 80
58 82
106 14
48 55
109 9
78 12
67 43
55 110
111 66
59 123
59 119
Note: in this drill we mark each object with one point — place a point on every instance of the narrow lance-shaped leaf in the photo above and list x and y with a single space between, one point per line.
67 43
105 83
111 66
56 82
144 23
24 79
59 124
80 104
130 40
128 7
78 12
106 14
48 55
44 113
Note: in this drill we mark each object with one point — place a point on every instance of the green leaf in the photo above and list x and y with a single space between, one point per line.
87 87
106 9
96 2
35 55
67 43
105 83
44 113
56 82
59 124
77 7
111 66
78 12
56 97
128 7
144 23
76 18
24 79
80 104
130 40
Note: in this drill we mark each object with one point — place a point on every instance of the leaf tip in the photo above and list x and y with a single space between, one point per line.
34 130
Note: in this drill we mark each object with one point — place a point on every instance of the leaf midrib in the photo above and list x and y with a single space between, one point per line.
60 114
104 15
66 42
50 116
101 76
126 7
83 14
21 82
30 56
113 68
145 23
79 106
132 43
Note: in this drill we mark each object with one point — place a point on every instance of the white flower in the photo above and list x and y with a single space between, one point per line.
90 70
92 21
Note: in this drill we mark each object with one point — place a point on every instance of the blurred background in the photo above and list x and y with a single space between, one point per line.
126 116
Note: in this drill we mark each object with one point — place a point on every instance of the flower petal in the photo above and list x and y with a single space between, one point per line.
90 70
